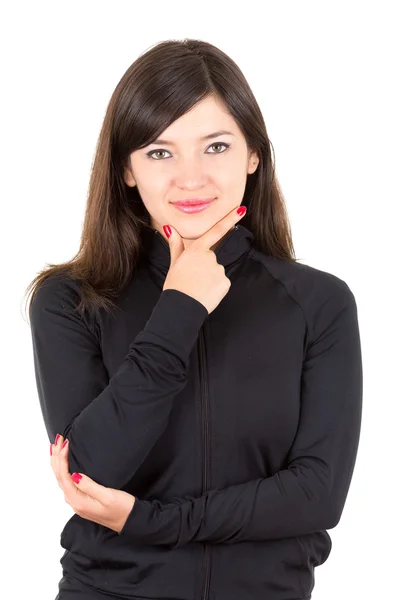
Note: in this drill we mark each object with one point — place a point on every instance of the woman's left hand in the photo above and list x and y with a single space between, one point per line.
90 500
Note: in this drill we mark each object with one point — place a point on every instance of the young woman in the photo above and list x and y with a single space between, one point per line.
208 385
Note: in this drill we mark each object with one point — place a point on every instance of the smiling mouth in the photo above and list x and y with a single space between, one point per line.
193 207
193 201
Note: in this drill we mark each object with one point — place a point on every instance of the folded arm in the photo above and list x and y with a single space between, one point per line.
307 496
112 424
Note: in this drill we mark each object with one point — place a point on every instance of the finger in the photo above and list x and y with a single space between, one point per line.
55 452
73 495
86 497
53 455
53 446
221 228
59 441
98 493
176 246
83 482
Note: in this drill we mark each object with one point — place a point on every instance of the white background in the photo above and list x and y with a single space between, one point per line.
324 75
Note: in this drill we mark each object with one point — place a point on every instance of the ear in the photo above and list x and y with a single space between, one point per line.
253 162
127 174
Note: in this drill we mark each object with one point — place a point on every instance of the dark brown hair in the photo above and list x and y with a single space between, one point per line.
159 87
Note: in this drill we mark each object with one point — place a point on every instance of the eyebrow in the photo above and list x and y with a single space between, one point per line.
206 137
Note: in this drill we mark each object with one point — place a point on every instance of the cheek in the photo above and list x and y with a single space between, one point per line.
153 191
231 185
229 172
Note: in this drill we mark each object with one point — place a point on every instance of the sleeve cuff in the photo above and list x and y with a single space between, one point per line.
175 321
151 522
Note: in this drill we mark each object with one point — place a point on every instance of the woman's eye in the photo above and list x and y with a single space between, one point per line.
218 144
153 152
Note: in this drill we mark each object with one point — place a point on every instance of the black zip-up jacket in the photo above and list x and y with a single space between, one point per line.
237 431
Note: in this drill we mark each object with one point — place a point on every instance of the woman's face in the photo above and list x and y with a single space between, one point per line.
187 166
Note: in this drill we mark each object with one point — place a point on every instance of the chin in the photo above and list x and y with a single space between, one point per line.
191 230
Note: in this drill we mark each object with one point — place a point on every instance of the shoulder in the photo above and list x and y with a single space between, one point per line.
301 280
320 294
54 305
58 290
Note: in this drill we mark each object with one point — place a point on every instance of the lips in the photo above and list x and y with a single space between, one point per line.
194 206
193 201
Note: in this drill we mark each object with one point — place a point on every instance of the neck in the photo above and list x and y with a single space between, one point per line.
188 241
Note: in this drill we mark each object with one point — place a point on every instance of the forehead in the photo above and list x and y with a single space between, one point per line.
205 121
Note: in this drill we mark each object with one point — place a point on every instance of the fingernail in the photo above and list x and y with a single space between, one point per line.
64 443
167 230
242 210
76 477
56 439
51 449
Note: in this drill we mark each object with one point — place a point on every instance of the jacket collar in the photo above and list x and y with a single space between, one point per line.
234 246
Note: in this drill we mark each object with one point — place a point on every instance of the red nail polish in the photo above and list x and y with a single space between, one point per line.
167 230
56 439
76 477
64 443
242 210
51 449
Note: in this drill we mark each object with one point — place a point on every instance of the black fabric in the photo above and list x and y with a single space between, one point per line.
236 431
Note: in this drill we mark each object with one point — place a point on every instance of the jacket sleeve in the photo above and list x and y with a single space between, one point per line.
112 424
310 493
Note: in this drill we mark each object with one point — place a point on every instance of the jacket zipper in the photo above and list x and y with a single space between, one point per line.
203 386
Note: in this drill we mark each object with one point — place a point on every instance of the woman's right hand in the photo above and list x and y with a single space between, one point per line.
196 271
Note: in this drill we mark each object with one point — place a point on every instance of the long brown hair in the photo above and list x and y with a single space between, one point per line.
159 87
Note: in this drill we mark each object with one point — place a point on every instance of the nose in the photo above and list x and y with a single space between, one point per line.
191 174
